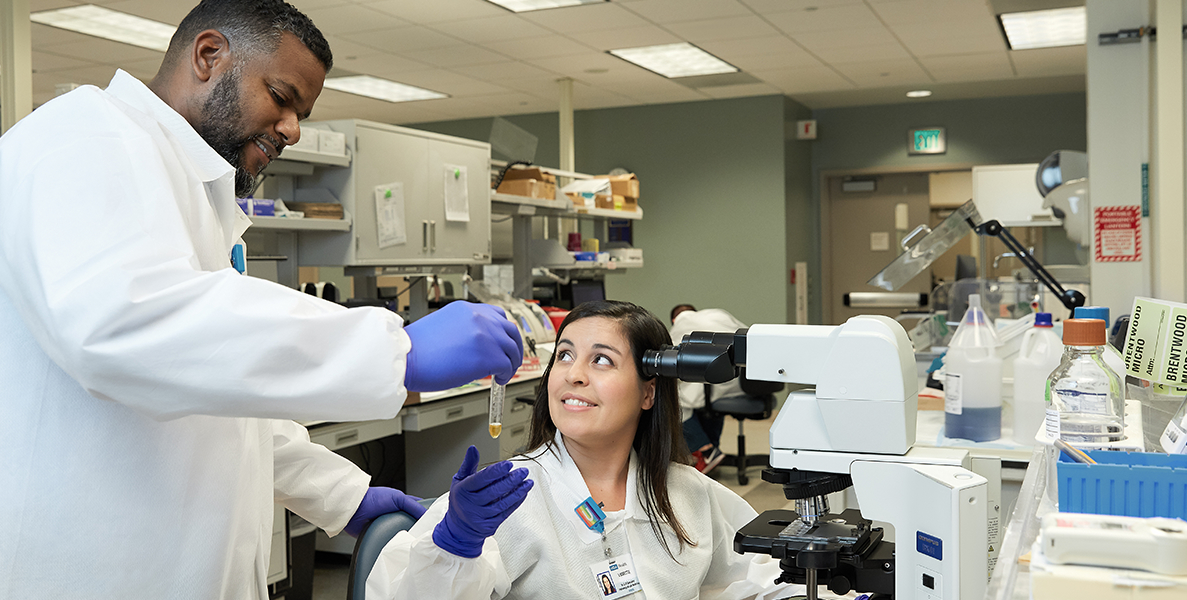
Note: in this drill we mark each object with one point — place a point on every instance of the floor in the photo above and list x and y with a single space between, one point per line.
329 579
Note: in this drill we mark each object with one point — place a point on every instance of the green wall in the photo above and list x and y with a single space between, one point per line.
982 132
712 186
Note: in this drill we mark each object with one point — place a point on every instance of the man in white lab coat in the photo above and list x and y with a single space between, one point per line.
702 427
149 388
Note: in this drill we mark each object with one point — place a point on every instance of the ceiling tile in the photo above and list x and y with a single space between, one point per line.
542 87
343 48
42 36
626 37
352 18
144 70
828 18
105 51
40 5
47 62
403 39
541 47
379 64
307 5
497 72
588 17
777 6
969 67
933 11
928 40
675 11
845 38
729 28
577 65
882 73
765 53
494 29
450 83
811 79
462 55
1047 62
741 91
856 54
437 11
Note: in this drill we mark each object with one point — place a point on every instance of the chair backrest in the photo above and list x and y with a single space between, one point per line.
370 544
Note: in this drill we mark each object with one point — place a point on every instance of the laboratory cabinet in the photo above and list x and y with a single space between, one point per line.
414 198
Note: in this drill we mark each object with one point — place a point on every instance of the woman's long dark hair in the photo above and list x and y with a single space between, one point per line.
659 439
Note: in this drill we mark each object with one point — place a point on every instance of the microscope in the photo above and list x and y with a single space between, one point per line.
855 428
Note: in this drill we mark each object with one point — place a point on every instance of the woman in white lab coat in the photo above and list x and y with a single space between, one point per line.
615 509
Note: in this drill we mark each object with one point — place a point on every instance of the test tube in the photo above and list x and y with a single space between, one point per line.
496 408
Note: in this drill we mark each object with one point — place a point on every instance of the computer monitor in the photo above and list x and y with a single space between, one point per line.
586 290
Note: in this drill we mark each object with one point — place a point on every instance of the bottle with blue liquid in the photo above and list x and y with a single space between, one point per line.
973 384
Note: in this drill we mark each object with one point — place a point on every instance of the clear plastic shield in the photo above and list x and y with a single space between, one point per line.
933 245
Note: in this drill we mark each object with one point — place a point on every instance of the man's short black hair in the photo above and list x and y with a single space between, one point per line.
250 26
679 308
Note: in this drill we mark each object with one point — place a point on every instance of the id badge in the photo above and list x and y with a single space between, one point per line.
616 578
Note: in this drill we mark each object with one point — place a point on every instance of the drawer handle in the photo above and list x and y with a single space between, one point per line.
347 437
519 430
424 236
518 406
454 413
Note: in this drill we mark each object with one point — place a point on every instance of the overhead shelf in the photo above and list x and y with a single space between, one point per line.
586 265
303 224
317 158
508 204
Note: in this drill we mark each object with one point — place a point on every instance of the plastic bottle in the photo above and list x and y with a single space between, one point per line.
1174 437
1038 357
1112 355
1084 399
973 385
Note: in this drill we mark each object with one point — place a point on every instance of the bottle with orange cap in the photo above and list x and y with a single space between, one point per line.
1085 402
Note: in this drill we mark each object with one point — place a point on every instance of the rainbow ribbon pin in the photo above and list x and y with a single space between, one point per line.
591 514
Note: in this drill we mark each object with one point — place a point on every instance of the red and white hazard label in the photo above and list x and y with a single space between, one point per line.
1118 234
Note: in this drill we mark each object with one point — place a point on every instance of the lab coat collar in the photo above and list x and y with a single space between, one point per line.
568 489
132 91
215 172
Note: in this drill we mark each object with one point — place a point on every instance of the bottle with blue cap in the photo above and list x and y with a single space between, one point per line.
1112 356
973 380
1038 356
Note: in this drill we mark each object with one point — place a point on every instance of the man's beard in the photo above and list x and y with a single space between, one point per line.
222 128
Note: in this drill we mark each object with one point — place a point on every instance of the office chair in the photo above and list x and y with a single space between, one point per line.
371 541
757 402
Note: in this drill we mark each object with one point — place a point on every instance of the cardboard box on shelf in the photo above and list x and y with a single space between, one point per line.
625 203
529 173
582 200
532 188
603 201
623 185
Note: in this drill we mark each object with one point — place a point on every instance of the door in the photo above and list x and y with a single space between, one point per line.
863 238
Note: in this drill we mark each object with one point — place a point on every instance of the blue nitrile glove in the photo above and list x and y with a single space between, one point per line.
478 504
461 343
380 501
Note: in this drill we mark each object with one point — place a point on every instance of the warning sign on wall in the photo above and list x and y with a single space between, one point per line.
1118 234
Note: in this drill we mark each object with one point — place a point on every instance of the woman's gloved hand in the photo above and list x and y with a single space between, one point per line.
478 504
380 501
460 343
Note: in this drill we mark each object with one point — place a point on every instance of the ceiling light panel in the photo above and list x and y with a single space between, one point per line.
530 5
109 24
1045 28
381 89
675 60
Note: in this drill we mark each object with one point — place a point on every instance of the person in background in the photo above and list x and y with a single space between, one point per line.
702 426
612 494
150 389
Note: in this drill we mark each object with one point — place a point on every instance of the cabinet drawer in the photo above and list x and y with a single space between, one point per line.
336 436
420 417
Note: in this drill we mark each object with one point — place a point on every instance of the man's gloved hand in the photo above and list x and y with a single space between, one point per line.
478 504
460 343
380 501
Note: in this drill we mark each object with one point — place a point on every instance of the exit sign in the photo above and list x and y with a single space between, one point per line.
930 140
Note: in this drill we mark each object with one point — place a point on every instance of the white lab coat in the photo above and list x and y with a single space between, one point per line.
544 550
692 395
141 373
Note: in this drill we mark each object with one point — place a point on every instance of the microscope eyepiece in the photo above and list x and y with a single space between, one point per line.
660 362
692 362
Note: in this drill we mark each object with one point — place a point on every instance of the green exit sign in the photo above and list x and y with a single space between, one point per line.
930 140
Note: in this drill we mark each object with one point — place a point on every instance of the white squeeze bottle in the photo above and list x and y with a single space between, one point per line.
973 386
1038 357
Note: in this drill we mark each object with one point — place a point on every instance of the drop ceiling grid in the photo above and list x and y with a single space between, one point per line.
802 48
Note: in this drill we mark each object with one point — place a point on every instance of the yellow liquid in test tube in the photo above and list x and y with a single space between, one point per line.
497 392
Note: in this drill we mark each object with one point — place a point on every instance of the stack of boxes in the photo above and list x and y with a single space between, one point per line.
532 183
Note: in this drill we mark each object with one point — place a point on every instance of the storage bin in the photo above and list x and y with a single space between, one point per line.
1135 484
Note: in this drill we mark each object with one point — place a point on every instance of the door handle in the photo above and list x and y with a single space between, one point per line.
433 236
424 236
